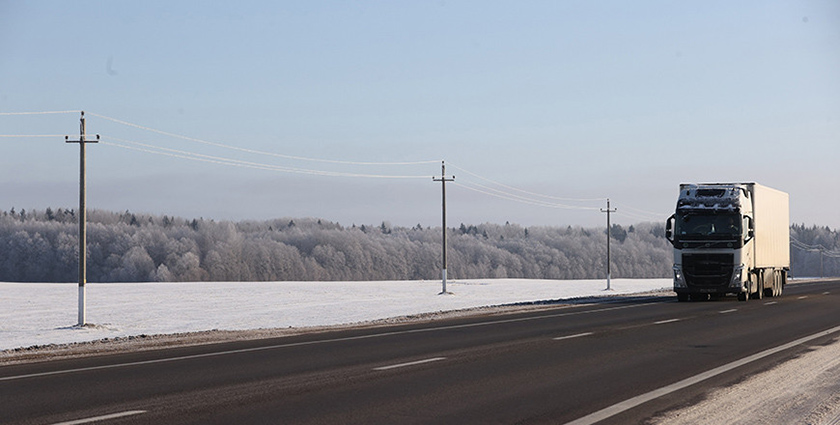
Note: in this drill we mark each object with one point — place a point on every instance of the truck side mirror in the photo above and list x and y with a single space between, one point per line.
748 221
669 226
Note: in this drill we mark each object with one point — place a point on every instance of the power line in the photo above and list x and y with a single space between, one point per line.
258 152
655 215
634 213
532 201
21 136
516 198
636 216
833 253
525 191
175 153
507 192
40 113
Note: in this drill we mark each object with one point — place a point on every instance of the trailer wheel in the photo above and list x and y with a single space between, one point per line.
773 290
758 285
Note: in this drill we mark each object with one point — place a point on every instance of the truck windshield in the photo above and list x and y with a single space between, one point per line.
706 226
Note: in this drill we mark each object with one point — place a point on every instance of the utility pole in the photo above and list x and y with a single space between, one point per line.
821 262
608 211
82 217
443 179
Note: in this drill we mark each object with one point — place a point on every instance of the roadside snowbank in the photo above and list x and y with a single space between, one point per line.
45 313
805 390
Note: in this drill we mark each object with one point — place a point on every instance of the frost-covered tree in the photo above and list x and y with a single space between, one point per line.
140 247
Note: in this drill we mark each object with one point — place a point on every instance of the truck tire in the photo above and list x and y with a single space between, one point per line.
774 292
682 297
743 296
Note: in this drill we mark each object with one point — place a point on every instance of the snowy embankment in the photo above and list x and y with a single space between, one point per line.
45 313
804 390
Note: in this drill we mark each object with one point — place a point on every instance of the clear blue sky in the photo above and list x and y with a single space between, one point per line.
572 99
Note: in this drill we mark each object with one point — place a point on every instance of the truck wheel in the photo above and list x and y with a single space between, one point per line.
682 297
758 294
742 296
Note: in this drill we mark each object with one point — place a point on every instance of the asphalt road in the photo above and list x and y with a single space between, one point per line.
611 363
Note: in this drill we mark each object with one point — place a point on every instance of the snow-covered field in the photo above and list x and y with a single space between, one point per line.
45 313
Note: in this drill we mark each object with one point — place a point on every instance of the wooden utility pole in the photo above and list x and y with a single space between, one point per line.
608 211
82 217
443 181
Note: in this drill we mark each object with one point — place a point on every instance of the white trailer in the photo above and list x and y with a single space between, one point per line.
730 238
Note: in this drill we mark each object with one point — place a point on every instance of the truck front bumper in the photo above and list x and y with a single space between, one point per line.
732 284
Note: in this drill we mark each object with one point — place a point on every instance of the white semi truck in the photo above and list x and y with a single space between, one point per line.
730 238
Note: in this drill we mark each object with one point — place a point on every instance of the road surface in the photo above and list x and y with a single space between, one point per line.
613 363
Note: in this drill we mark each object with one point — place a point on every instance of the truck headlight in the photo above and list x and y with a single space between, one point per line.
737 272
679 279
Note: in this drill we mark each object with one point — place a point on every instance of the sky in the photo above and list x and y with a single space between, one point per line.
541 109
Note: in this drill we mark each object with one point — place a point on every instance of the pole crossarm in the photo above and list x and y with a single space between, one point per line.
443 179
82 215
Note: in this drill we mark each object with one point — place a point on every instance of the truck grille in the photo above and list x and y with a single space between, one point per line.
707 270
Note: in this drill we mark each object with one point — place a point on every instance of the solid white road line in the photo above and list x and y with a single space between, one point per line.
802 297
572 336
771 302
103 417
418 362
662 322
644 398
731 310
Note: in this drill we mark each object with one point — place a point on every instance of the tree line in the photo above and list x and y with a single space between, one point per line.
42 246
822 259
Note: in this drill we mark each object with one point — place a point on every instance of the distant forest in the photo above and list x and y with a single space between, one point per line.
42 246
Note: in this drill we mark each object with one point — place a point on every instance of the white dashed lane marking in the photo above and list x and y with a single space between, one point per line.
572 336
418 362
103 417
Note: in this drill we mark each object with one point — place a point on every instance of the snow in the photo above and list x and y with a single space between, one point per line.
805 390
46 313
